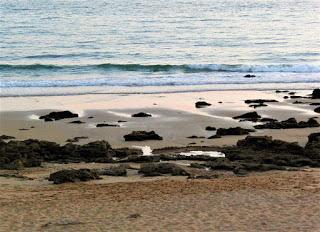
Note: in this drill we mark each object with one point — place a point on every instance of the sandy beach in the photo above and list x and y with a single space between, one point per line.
260 201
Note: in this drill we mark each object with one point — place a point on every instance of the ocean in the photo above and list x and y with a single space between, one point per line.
61 47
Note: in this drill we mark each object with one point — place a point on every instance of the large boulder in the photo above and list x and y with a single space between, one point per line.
71 175
317 110
158 169
58 115
316 94
142 136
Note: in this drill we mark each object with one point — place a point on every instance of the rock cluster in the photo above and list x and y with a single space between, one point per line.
289 124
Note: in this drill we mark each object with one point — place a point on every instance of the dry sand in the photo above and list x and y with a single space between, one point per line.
272 201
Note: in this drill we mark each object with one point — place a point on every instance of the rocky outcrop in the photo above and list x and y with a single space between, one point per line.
315 94
4 137
142 136
58 115
202 104
317 110
158 169
71 175
289 124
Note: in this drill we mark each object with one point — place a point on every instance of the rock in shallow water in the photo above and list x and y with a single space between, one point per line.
142 136
202 104
141 115
58 115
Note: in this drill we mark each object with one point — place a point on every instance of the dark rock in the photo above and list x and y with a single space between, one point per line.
317 110
202 104
23 129
259 101
233 131
292 93
282 91
90 117
298 102
158 169
77 122
221 164
141 158
295 97
4 137
266 142
289 124
268 120
214 137
141 115
251 116
142 136
211 128
315 94
65 176
121 121
258 105
106 125
315 104
113 171
249 76
285 97
58 115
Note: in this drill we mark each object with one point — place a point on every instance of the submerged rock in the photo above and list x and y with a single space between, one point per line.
202 104
107 125
249 76
259 101
58 115
77 122
141 115
71 175
158 169
142 136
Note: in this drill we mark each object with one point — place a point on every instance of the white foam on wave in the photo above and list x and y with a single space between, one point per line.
216 154
146 150
33 117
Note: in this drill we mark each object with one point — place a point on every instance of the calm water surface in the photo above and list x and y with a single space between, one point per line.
52 46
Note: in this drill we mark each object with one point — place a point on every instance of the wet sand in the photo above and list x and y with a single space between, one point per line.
174 117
